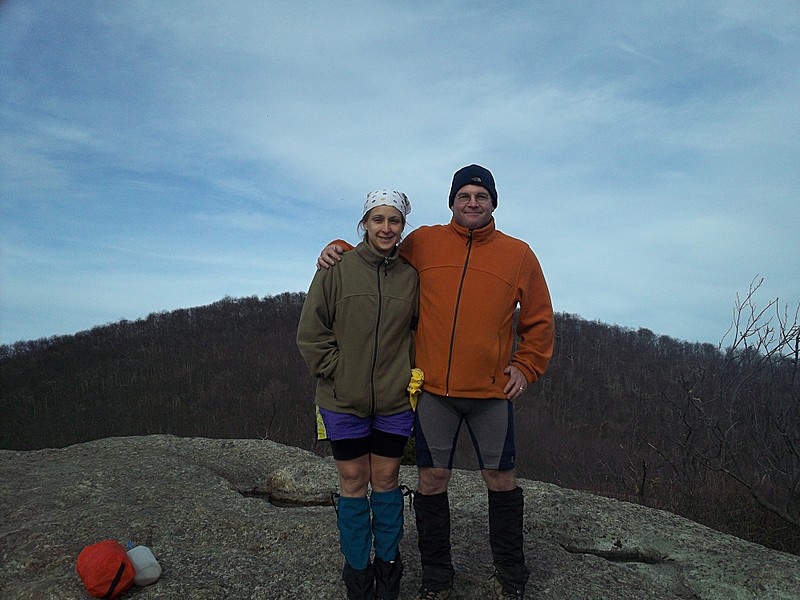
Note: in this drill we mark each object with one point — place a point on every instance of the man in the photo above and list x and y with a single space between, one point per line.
472 278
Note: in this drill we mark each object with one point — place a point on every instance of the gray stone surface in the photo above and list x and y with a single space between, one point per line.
252 519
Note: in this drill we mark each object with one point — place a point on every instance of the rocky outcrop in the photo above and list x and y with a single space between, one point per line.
253 519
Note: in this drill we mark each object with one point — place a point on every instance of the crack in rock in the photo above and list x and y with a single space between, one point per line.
654 565
285 499
620 555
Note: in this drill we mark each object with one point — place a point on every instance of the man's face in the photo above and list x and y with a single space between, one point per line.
472 207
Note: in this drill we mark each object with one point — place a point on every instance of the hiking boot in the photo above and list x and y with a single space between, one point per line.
387 578
498 591
360 583
434 595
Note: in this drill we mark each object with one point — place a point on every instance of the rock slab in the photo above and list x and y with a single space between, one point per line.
253 519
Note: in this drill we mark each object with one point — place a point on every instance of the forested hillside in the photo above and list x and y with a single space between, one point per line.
711 434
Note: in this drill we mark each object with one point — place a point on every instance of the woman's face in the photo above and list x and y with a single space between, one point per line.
384 225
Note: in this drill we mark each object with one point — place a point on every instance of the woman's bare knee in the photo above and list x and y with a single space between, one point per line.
353 476
384 473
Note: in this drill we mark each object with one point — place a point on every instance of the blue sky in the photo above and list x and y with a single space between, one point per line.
157 155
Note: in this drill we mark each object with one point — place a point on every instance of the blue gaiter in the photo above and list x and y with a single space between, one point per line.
387 523
355 535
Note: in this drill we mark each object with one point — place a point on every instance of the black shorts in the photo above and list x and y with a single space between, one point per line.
381 443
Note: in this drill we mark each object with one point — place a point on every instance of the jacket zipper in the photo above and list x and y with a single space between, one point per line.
455 315
377 334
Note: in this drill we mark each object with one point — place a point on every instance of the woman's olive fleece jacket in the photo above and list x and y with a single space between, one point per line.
355 333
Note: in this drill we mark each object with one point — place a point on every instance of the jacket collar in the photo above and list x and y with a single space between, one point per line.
374 258
484 234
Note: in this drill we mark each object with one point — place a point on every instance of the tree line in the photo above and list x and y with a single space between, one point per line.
708 432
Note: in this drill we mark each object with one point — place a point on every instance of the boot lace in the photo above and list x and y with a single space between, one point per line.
499 591
434 595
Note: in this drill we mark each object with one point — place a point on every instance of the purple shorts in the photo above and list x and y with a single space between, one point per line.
342 426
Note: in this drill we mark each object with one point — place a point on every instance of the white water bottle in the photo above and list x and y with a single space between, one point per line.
144 564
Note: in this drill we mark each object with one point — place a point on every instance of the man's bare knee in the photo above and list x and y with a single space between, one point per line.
499 481
433 480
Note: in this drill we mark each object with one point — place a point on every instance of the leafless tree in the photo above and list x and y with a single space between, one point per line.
740 415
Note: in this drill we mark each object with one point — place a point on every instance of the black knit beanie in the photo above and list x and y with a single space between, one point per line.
475 175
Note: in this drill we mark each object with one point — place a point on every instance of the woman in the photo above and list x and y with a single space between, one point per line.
355 334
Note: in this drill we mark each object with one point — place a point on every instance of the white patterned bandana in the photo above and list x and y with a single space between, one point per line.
391 198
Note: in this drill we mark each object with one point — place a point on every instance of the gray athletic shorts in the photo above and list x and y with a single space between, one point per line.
490 422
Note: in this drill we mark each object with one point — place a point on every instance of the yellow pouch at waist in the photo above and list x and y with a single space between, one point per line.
415 387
